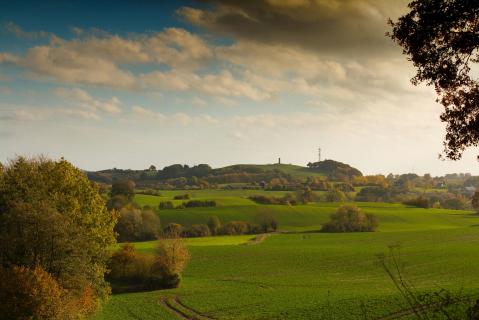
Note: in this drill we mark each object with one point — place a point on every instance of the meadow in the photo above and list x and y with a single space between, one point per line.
299 273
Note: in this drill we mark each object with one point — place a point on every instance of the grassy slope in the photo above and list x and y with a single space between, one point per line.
310 275
294 170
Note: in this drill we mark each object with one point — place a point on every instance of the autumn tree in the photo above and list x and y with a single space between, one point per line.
441 39
52 217
30 293
170 260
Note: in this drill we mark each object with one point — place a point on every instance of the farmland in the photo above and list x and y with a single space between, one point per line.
299 273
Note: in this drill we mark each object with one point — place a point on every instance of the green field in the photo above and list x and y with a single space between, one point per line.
300 274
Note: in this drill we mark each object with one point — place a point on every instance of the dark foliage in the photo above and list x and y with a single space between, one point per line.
441 38
350 219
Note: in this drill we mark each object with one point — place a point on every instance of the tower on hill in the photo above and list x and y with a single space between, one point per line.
319 154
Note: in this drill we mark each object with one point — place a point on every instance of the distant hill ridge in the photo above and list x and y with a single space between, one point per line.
238 173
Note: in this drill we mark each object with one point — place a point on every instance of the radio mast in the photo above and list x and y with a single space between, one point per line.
319 154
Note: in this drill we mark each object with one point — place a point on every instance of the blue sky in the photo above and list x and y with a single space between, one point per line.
128 84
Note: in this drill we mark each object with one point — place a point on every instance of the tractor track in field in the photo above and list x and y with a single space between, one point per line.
181 310
410 311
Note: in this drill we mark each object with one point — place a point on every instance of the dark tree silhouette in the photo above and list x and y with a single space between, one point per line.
441 38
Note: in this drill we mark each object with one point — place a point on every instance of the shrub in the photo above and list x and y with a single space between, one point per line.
30 293
199 203
166 205
456 203
288 199
197 230
350 219
141 272
335 196
420 202
182 197
127 263
173 230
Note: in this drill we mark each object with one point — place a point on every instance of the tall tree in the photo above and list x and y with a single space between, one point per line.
441 38
51 216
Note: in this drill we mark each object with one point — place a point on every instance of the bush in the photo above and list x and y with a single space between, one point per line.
182 197
288 199
456 203
419 202
141 272
166 205
199 203
197 230
30 294
350 219
126 263
335 196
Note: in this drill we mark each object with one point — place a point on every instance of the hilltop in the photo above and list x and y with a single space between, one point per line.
239 173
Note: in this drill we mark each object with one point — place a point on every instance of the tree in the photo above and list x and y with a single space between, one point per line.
304 196
124 188
441 38
173 230
170 260
475 201
52 217
129 224
214 224
151 225
29 294
137 225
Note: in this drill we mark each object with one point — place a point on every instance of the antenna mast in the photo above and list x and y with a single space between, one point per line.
319 154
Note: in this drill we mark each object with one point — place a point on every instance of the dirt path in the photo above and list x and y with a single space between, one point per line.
181 310
258 239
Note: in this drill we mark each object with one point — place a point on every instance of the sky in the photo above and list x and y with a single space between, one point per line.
128 84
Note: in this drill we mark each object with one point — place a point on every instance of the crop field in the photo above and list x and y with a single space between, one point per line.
302 274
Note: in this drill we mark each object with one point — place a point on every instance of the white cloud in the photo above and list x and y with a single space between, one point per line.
141 112
82 99
214 84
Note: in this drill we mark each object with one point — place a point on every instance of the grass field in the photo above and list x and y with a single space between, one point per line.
306 275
